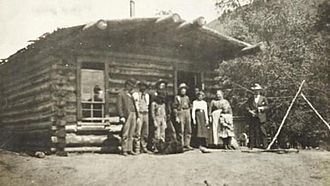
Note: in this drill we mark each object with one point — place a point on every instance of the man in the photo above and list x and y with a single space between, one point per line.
181 109
256 107
128 116
142 100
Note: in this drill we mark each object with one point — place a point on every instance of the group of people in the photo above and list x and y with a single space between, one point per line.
159 123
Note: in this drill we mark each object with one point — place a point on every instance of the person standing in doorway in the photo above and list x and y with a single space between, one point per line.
128 114
216 108
181 109
142 100
256 107
200 118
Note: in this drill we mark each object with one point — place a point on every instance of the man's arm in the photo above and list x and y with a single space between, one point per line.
120 106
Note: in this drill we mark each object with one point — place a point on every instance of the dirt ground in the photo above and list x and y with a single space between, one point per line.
190 168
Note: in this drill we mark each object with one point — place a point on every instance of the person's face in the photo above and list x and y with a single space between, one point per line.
257 92
162 86
143 88
129 88
219 95
183 91
99 94
200 97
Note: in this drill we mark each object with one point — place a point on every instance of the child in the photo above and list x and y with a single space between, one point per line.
158 116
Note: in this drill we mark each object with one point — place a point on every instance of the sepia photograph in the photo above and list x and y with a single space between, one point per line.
167 92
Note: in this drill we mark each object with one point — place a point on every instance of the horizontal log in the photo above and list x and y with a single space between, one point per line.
44 126
32 91
29 101
93 149
30 118
120 82
140 72
27 82
140 64
25 69
35 109
94 127
73 139
103 56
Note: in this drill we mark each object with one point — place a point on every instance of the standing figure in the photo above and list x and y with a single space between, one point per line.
226 127
256 107
128 114
142 100
161 86
181 109
216 108
200 118
158 116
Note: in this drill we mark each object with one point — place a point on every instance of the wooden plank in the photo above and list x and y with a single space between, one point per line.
93 149
106 87
78 85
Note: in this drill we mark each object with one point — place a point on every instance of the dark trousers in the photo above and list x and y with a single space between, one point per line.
128 132
257 134
184 133
142 132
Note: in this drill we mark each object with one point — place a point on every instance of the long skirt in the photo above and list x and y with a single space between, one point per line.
202 131
215 126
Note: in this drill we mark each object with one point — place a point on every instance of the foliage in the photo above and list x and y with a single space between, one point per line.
296 34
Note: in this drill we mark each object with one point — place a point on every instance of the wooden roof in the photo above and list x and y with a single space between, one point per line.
168 35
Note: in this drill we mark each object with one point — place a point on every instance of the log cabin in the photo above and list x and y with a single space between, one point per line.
47 88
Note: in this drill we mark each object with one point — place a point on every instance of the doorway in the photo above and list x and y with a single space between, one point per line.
192 79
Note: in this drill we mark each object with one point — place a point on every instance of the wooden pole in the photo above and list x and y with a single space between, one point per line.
316 112
286 115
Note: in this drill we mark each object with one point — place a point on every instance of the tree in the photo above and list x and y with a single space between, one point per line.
296 34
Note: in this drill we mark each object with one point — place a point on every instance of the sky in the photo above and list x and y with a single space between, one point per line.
23 20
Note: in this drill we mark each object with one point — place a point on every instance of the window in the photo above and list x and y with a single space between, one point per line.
92 92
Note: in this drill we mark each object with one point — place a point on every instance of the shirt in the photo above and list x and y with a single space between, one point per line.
142 101
220 104
201 105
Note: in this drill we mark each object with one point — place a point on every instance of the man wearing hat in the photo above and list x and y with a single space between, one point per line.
181 109
142 100
256 107
128 114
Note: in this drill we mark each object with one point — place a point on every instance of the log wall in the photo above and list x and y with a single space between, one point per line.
26 103
118 68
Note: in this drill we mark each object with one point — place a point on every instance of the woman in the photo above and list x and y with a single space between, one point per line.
219 113
199 116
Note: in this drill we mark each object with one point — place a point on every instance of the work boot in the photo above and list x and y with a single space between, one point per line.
132 153
145 150
124 153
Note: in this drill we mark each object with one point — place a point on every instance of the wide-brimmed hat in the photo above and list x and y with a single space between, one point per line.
256 87
142 83
130 82
160 81
183 85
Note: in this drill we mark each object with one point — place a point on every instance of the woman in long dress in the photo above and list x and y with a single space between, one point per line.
200 118
220 111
